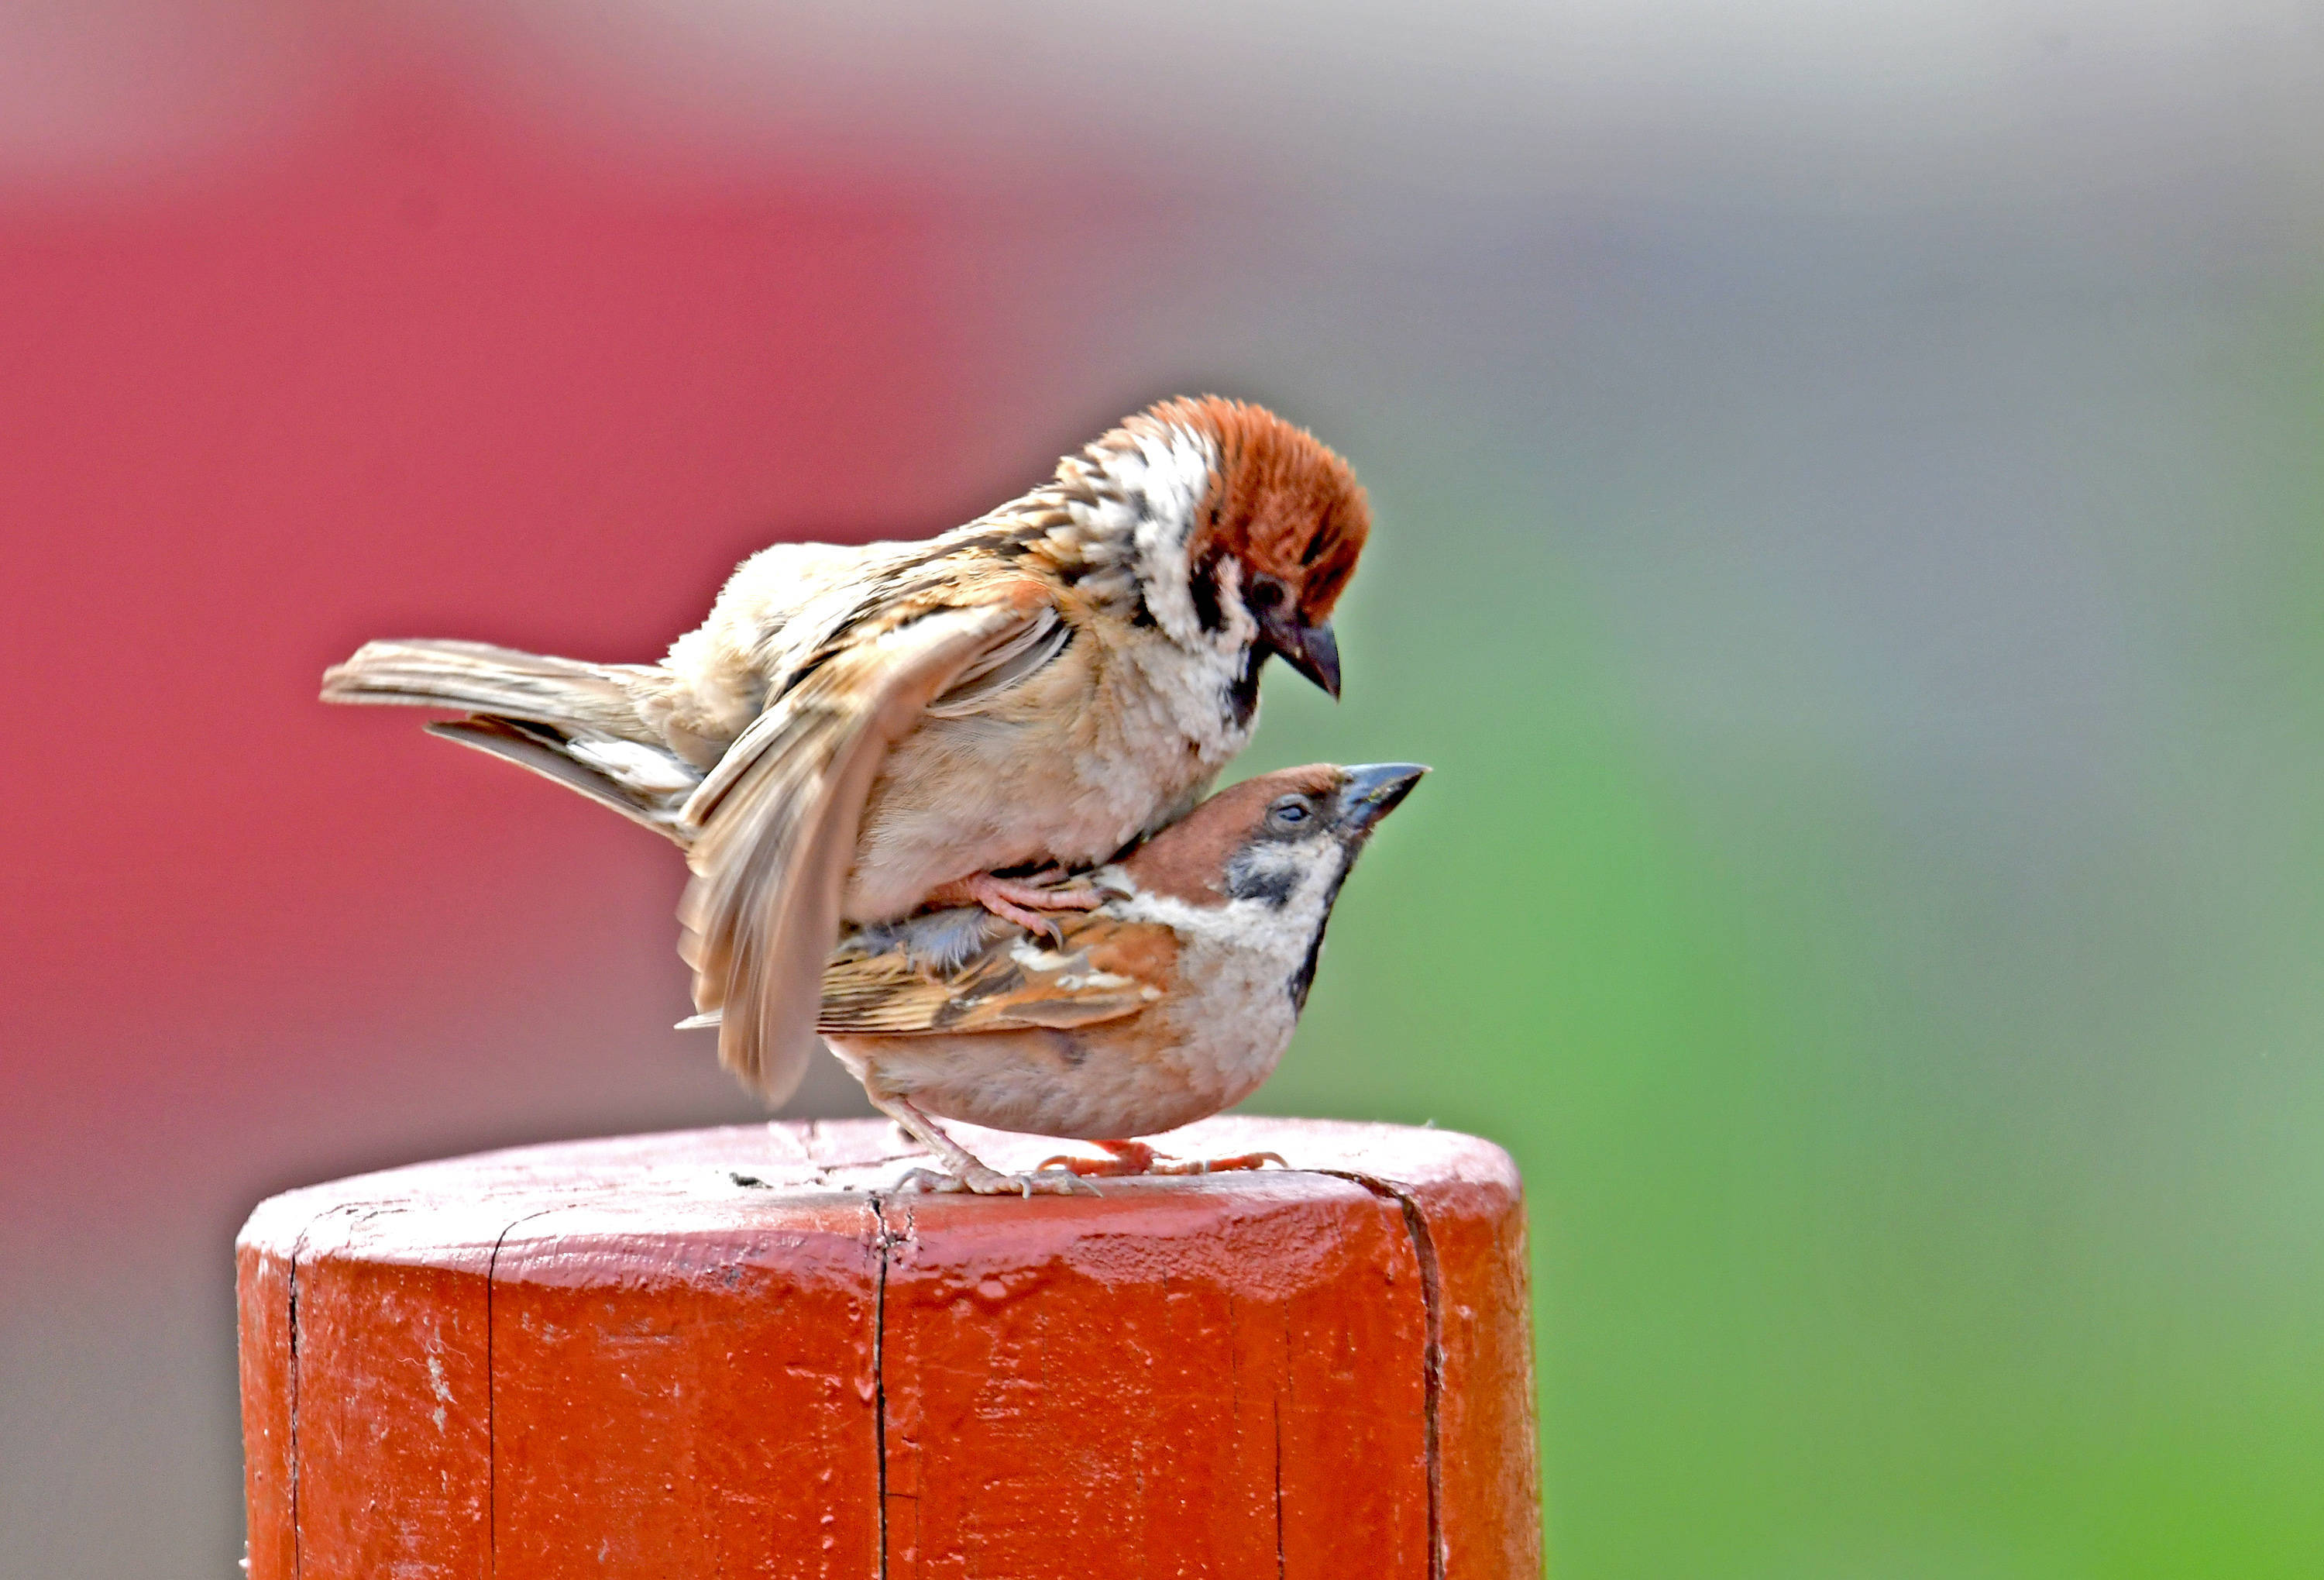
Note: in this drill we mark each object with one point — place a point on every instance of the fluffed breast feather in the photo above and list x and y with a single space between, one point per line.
1106 968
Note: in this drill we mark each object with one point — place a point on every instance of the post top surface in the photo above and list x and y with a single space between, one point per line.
806 1175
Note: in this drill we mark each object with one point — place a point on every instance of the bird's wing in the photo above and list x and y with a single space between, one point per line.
776 822
1105 969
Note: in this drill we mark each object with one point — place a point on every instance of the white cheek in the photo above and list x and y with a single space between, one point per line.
1254 940
1310 902
1171 471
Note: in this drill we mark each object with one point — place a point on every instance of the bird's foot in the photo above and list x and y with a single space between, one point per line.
962 1170
1138 1157
981 1180
1021 900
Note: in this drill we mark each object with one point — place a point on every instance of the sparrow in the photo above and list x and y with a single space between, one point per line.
856 733
1170 999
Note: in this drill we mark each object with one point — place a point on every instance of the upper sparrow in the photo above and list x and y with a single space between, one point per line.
856 733
1171 1000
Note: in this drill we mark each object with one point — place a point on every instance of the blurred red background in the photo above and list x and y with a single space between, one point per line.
418 372
424 364
408 380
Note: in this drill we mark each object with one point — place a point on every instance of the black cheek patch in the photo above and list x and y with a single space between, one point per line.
1242 696
1202 588
1248 880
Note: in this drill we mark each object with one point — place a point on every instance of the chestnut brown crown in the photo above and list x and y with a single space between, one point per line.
1279 508
1281 501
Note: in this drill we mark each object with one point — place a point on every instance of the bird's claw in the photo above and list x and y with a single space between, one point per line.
983 1181
1023 901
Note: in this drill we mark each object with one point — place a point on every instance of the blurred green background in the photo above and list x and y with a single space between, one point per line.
1850 496
1897 970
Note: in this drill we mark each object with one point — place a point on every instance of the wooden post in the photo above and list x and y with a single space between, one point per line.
738 1352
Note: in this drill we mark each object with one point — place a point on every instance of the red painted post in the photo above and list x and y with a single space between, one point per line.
736 1353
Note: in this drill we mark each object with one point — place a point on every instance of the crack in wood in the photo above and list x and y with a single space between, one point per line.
290 1287
880 1242
1431 1299
1279 1559
297 1246
492 1440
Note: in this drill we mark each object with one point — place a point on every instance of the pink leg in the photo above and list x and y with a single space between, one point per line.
1138 1157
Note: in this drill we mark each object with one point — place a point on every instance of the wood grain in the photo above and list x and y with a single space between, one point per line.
741 1353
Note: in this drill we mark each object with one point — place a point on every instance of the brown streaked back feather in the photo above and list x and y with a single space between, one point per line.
1106 968
778 823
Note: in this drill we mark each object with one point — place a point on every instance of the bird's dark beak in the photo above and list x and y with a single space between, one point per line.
1311 649
1371 792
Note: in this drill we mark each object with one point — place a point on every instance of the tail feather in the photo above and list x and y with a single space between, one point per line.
551 754
496 681
579 723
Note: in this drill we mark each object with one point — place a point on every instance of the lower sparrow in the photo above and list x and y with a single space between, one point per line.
1173 999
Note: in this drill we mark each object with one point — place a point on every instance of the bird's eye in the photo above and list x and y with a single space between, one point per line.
1267 594
1289 814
